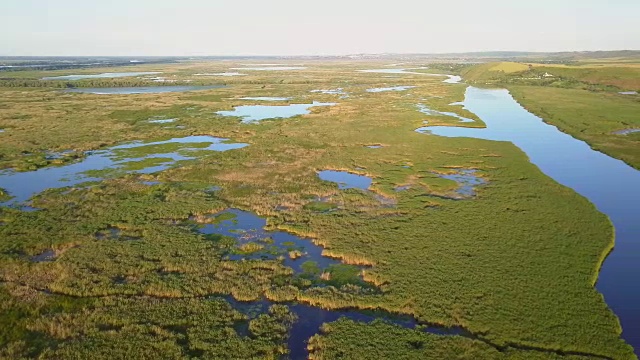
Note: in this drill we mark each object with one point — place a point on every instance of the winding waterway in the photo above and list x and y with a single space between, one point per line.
610 184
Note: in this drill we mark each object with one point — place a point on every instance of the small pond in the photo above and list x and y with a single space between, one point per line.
162 121
99 76
135 157
626 131
256 113
467 181
255 243
453 79
46 256
346 180
393 88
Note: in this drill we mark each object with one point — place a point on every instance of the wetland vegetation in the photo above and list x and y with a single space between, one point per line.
170 248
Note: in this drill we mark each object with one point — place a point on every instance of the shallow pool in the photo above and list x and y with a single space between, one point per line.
346 180
135 157
256 113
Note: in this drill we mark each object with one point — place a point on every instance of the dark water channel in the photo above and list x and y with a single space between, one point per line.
345 179
246 227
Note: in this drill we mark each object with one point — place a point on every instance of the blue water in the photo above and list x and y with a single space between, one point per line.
23 185
99 76
255 113
451 79
141 90
467 181
346 180
221 74
392 88
46 256
610 184
427 111
246 227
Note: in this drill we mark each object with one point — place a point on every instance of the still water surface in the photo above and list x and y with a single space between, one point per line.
610 184
163 154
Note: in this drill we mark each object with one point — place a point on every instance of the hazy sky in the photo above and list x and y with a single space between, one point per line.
299 27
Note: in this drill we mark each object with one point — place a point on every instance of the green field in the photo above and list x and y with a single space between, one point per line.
514 266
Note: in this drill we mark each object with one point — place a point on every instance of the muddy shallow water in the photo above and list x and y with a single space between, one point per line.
345 179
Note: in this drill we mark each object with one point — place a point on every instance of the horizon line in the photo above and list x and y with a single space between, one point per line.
342 55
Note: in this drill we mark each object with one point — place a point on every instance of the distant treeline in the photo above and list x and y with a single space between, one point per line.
60 84
134 82
28 64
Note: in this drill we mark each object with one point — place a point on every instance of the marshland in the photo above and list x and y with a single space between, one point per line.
308 205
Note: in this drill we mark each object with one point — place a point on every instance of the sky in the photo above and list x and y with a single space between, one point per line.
302 27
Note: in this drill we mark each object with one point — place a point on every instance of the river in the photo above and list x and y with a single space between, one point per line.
610 184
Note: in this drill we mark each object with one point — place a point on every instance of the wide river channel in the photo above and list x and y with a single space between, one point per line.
610 184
